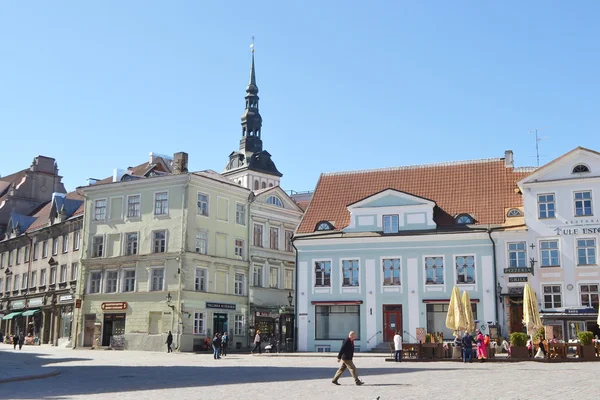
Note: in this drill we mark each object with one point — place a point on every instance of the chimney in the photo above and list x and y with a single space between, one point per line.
117 174
509 159
180 163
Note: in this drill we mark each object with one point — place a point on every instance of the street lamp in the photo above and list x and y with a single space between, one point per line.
290 298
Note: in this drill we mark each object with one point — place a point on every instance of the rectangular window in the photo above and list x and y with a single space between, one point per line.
111 279
45 249
392 272
202 242
24 281
240 214
65 246
239 248
74 267
43 277
258 235
517 256
350 273
200 282
7 284
98 246
54 246
274 277
583 203
26 254
18 256
465 270
158 279
288 281
334 322
76 238
95 278
550 254
161 203
289 235
202 205
1 286
36 251
33 279
53 275
16 283
589 295
391 224
274 238
238 328
129 280
552 297
436 318
100 210
323 274
586 251
63 273
199 323
257 278
239 284
10 258
134 206
434 271
159 240
546 206
131 243
2 259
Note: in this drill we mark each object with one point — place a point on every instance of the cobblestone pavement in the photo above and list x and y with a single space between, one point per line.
95 374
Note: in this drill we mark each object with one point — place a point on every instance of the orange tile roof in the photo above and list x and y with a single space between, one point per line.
43 214
482 188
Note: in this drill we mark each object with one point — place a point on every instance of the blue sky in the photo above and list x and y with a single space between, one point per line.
343 85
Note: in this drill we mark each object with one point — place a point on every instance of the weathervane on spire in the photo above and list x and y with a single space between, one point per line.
252 45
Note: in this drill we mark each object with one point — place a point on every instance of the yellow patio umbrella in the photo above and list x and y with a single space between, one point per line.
531 313
469 322
455 319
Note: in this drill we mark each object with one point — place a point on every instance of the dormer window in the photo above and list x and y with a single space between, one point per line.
324 226
274 200
514 212
579 168
390 223
464 219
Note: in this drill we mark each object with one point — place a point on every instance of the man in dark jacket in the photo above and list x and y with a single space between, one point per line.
169 342
217 346
467 343
345 356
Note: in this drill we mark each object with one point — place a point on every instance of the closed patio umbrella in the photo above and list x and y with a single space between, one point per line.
455 320
531 313
469 322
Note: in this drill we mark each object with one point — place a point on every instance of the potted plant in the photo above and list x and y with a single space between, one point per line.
518 345
587 350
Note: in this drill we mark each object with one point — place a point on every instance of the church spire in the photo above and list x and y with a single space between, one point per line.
251 119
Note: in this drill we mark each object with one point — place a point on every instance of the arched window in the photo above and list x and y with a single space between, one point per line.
256 185
579 168
270 185
514 212
274 200
264 185
324 226
464 219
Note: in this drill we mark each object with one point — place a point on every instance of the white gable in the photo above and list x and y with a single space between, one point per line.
278 193
562 168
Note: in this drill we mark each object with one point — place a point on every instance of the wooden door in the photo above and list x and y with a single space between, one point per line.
516 316
392 321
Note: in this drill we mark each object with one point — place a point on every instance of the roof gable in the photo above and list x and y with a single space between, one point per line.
561 168
287 202
391 198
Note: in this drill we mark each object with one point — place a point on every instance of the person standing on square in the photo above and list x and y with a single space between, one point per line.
398 346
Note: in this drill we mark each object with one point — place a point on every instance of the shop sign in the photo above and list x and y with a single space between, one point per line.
114 306
580 310
78 303
576 231
222 306
517 279
17 304
38 301
267 314
519 270
65 298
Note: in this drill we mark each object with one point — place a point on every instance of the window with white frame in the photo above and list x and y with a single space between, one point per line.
10 258
2 260
18 256
43 277
350 273
288 279
200 280
202 204
74 268
334 322
274 238
54 246
274 200
202 242
434 270
289 235
65 246
36 251
131 243
129 280
239 284
198 323
589 295
45 249
161 203
111 280
76 238
7 284
134 206
274 277
258 275
24 281
33 279
53 275
546 206
586 251
549 252
238 325
95 279
159 241
465 270
258 235
517 256
16 283
552 296
98 246
100 210
1 286
323 274
63 273
583 203
391 223
239 248
240 214
157 279
392 272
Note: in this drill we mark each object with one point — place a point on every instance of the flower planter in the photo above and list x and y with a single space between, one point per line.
433 350
519 352
587 352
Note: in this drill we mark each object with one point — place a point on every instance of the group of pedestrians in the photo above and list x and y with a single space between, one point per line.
219 344
18 339
466 343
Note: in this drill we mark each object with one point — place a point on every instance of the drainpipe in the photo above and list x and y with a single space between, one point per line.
80 284
184 225
296 297
30 239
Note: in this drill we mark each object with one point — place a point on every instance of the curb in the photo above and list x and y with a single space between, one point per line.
30 377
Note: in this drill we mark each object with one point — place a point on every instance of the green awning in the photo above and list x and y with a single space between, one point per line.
30 312
12 314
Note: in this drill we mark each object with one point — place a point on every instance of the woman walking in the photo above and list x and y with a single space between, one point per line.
481 347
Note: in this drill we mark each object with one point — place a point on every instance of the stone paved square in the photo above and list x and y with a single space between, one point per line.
102 375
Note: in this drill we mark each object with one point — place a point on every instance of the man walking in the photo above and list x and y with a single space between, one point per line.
257 343
169 342
224 344
345 356
216 343
467 342
398 346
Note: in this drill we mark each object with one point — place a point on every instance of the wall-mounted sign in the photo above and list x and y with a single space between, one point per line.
78 303
114 306
576 231
222 306
519 270
17 304
35 302
580 310
518 279
65 298
267 314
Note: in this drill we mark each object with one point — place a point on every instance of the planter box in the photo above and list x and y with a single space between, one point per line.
519 352
433 350
587 352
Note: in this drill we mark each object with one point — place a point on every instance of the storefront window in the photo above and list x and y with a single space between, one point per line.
557 331
66 323
574 327
436 318
334 322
